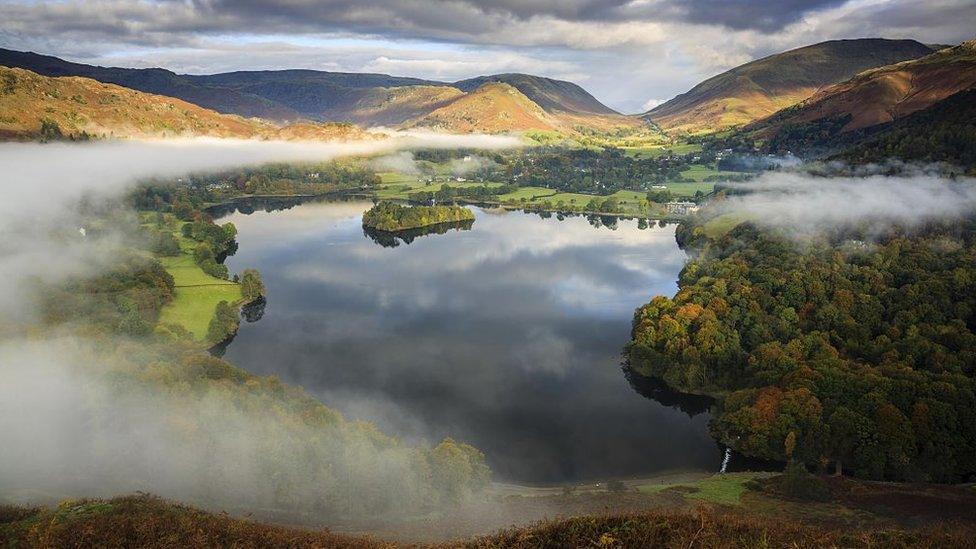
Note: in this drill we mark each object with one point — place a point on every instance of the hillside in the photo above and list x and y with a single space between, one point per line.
492 108
147 521
872 98
944 132
390 106
158 81
887 93
762 87
362 98
35 106
552 95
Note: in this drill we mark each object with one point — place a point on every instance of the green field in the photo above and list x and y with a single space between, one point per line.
655 151
528 193
398 186
699 172
197 293
724 489
570 199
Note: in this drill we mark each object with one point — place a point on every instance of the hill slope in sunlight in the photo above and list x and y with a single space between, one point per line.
492 108
873 97
34 106
362 98
762 87
552 95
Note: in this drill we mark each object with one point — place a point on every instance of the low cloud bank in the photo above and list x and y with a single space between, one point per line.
97 417
805 203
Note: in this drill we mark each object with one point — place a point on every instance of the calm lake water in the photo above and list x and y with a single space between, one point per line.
507 336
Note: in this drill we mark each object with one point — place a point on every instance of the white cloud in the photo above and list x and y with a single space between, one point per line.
651 103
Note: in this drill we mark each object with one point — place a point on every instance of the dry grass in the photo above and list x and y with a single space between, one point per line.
705 529
147 521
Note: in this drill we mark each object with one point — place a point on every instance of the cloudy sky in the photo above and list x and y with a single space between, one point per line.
631 54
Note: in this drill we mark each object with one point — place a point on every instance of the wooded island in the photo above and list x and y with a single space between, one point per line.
392 217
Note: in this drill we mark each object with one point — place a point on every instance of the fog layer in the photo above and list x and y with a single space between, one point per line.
805 203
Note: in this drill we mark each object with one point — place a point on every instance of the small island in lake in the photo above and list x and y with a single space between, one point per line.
392 217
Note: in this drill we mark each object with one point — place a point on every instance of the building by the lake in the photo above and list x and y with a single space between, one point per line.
681 208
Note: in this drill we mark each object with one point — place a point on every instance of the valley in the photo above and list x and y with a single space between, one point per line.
482 308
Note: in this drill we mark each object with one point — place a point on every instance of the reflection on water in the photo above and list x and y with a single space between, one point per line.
657 390
393 239
507 335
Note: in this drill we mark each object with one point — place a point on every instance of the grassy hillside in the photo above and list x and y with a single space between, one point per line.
760 88
79 105
361 98
158 81
491 108
873 97
33 106
391 106
552 95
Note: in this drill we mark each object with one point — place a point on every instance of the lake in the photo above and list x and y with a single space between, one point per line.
506 334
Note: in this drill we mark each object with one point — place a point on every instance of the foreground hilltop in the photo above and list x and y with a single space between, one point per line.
147 521
762 87
36 106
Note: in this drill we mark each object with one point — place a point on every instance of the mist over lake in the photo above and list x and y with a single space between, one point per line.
507 336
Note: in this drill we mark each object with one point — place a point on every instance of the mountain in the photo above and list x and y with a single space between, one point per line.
338 96
863 104
35 106
390 106
158 81
762 87
362 98
552 95
943 132
494 107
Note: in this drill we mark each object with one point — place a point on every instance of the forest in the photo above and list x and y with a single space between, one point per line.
283 179
600 171
847 350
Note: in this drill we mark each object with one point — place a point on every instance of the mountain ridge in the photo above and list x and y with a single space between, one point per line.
74 107
767 85
293 94
871 98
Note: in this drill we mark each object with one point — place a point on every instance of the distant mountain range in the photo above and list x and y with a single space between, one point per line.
822 97
362 98
760 88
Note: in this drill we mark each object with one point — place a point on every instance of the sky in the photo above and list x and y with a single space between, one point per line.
630 54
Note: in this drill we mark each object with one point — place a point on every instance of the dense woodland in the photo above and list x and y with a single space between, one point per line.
945 132
596 171
837 350
267 180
